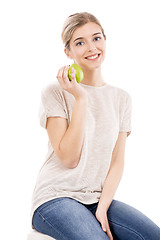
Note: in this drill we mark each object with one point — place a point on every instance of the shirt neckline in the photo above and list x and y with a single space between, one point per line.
94 87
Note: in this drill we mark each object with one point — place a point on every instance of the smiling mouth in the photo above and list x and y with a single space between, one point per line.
93 57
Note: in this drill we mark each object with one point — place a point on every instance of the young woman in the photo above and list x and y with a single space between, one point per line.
87 125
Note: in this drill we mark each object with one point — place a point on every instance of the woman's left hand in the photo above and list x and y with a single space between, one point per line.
101 216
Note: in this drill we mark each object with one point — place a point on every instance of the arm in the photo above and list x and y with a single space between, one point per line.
115 172
111 183
71 143
67 140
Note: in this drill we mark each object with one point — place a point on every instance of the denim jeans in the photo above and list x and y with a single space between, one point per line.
67 219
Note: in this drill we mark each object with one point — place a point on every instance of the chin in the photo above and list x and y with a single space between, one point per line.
94 65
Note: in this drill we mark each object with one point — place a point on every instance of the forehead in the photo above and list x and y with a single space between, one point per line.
87 30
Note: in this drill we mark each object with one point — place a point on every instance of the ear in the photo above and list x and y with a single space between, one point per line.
67 52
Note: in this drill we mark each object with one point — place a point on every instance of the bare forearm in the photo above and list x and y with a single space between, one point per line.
71 144
110 185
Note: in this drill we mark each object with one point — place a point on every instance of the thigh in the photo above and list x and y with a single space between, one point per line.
67 219
127 222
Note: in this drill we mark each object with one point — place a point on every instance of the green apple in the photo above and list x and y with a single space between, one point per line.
79 73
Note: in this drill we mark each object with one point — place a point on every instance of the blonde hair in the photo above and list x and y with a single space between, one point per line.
75 21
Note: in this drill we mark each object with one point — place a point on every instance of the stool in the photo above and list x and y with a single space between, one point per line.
34 235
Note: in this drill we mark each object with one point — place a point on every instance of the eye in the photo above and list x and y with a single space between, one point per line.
79 43
97 38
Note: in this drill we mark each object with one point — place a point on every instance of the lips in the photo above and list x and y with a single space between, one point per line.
93 56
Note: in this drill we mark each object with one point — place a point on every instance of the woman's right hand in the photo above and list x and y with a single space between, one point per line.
71 86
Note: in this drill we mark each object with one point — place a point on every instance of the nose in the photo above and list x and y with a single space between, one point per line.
91 47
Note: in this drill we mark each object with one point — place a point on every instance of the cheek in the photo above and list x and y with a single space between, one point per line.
79 52
102 47
104 51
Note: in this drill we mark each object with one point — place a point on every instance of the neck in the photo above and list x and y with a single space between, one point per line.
93 77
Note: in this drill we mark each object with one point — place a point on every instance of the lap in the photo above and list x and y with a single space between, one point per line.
126 222
66 219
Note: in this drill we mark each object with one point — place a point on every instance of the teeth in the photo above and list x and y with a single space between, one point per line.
93 57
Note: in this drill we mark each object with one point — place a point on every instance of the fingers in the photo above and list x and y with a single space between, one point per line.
65 76
106 229
73 74
102 218
109 234
65 73
62 76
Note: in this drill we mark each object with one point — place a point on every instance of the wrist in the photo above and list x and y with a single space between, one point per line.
82 98
103 205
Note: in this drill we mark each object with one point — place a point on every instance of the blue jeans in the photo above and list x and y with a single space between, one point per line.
67 219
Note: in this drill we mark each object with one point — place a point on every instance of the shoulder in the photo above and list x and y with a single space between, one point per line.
53 92
119 93
51 89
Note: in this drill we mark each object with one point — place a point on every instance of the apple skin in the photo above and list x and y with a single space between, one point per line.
79 73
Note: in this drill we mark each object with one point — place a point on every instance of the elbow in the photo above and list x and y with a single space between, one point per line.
68 159
71 164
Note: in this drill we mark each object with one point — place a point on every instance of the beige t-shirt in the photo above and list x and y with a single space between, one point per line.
109 112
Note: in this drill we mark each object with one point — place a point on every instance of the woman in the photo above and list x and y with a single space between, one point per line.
87 126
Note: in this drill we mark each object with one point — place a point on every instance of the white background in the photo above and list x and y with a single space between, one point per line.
31 52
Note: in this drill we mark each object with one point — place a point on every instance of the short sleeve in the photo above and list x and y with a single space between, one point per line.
51 105
126 114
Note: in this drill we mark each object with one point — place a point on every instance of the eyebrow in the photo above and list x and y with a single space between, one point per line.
82 37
